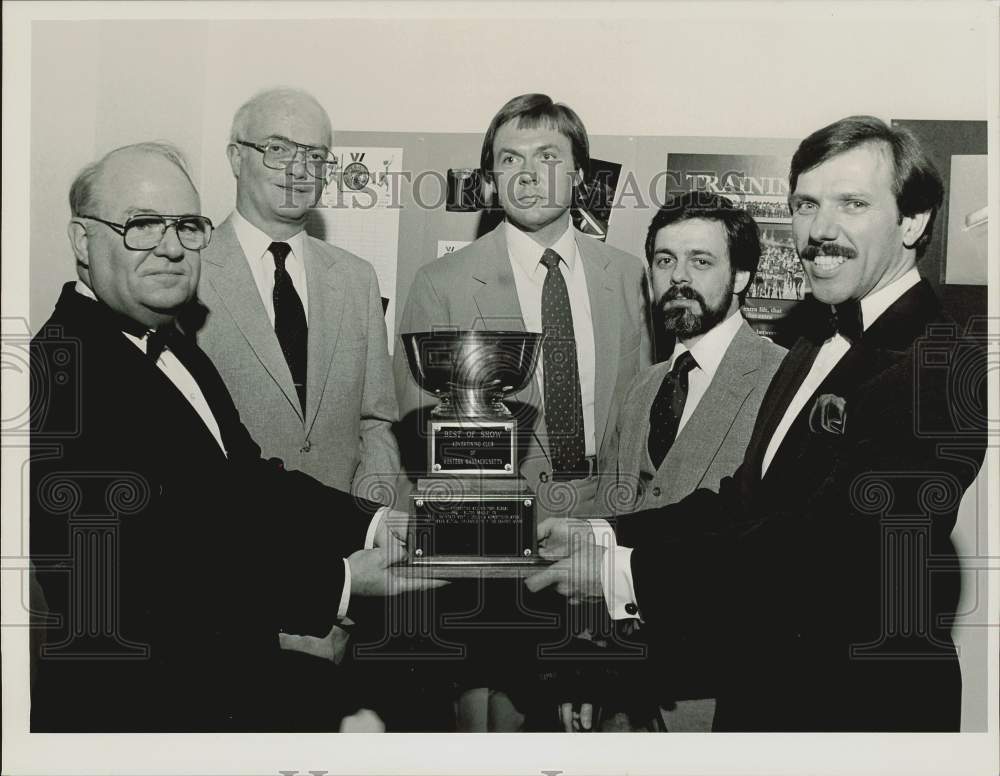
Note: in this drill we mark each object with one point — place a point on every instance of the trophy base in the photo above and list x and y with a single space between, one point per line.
472 527
463 568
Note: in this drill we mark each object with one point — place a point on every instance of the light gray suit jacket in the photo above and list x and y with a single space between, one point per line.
345 439
474 288
712 442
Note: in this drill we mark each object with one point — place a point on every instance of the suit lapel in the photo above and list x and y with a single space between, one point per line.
894 331
606 326
635 421
234 283
494 295
326 309
714 415
780 393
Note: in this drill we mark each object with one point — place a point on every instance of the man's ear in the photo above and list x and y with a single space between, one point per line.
77 234
235 158
740 281
488 188
913 227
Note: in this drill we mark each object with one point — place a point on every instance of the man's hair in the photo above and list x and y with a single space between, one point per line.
81 193
742 235
534 110
916 183
278 94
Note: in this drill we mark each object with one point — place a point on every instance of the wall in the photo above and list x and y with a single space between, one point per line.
733 70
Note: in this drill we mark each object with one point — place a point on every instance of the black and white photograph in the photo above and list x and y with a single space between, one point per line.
622 377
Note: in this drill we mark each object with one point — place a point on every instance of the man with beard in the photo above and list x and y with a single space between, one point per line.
686 421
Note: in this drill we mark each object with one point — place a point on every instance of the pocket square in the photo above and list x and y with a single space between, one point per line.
828 415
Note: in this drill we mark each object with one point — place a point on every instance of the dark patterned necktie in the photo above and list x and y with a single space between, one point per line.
290 320
561 374
668 406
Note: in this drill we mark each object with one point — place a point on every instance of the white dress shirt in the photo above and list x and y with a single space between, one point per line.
529 277
619 589
182 379
708 352
255 246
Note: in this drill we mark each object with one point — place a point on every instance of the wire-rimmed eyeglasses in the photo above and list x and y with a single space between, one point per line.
280 152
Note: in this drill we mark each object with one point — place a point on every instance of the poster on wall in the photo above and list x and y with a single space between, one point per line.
592 202
359 212
956 252
759 185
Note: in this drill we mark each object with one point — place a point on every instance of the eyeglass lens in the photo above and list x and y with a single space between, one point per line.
146 232
279 153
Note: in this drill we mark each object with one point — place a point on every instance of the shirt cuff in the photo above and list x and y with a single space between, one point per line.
345 595
616 578
380 514
604 534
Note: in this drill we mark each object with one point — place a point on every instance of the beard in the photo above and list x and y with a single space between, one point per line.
683 322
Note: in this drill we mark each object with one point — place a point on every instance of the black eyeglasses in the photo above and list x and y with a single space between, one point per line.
144 232
280 152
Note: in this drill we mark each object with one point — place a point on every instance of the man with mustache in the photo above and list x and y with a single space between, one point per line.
685 422
821 578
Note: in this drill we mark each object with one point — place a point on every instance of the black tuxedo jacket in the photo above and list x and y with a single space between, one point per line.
165 562
823 591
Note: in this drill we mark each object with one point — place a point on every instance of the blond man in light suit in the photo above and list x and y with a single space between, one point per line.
535 152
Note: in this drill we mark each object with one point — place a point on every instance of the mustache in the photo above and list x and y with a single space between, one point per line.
682 292
812 250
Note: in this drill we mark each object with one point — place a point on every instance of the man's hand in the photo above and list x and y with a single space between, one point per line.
392 529
372 573
577 717
556 535
577 577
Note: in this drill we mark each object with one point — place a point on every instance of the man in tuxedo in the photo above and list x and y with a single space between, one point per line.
295 325
821 577
535 272
685 422
170 553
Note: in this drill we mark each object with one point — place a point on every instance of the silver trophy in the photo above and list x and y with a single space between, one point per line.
472 514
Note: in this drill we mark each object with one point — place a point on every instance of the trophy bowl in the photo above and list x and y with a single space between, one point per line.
472 368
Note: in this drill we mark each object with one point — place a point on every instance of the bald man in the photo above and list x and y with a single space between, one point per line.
153 515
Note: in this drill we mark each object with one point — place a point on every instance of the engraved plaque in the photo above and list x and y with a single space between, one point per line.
473 448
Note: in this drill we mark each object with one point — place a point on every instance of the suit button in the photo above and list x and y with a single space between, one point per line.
307 446
631 609
543 477
656 492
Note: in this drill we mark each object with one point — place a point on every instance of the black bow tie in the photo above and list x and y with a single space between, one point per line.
845 319
159 340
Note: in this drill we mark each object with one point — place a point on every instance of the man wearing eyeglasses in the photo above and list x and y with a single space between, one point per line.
294 325
170 553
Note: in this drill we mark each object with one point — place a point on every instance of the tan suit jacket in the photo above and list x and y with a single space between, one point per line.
474 288
712 442
345 438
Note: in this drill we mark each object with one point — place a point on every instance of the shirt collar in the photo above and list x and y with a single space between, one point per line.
873 305
710 349
256 242
136 332
528 253
84 290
